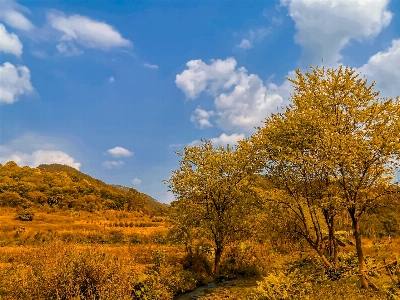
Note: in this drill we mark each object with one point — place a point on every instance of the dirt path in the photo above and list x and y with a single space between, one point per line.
204 290
240 288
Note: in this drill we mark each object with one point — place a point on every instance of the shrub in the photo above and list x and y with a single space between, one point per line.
26 215
280 286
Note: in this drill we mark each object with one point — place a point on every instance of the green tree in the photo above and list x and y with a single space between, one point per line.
214 198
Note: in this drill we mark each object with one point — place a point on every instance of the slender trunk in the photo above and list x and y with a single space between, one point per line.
335 253
217 259
320 252
360 255
324 259
333 245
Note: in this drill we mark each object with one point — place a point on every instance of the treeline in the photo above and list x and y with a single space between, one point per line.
322 172
63 187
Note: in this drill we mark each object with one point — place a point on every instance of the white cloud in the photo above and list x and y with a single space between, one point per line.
325 27
223 140
201 118
199 76
253 37
136 181
33 150
149 66
384 68
245 44
241 100
9 42
119 152
68 48
111 79
112 164
15 81
39 157
86 32
10 15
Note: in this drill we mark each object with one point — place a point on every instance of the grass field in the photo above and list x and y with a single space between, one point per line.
111 254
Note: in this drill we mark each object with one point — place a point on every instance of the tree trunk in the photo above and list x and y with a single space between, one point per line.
324 259
360 255
217 260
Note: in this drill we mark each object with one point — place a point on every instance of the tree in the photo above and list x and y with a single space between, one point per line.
296 181
214 198
338 124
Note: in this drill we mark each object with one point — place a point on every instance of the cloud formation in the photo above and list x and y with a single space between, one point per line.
11 15
15 81
86 32
119 152
241 100
136 181
325 27
201 118
9 42
150 66
253 37
223 140
112 164
384 68
33 150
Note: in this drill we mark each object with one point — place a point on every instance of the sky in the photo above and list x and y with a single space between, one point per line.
114 88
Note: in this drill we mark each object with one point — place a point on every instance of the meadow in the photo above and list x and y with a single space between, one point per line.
66 254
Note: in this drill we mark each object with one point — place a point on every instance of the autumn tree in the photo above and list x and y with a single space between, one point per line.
296 181
214 198
338 122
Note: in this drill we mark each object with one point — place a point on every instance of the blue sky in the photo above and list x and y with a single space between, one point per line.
113 88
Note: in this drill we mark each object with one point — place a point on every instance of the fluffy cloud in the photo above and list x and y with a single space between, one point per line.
201 118
136 181
86 32
149 66
15 81
39 157
33 150
253 37
9 14
9 42
119 152
384 68
222 140
241 100
112 164
325 27
111 79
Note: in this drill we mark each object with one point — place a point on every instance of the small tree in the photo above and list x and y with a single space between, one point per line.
214 199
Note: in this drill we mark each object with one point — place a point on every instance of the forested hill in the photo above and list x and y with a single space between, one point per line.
150 201
64 187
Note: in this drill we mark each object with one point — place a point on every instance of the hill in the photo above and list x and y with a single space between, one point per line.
150 201
64 187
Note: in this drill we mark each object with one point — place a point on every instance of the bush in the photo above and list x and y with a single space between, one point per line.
26 215
280 286
64 272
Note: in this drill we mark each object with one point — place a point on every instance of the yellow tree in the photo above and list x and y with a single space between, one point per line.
214 199
296 181
351 135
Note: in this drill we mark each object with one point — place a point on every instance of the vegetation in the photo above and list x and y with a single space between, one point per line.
63 187
305 208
